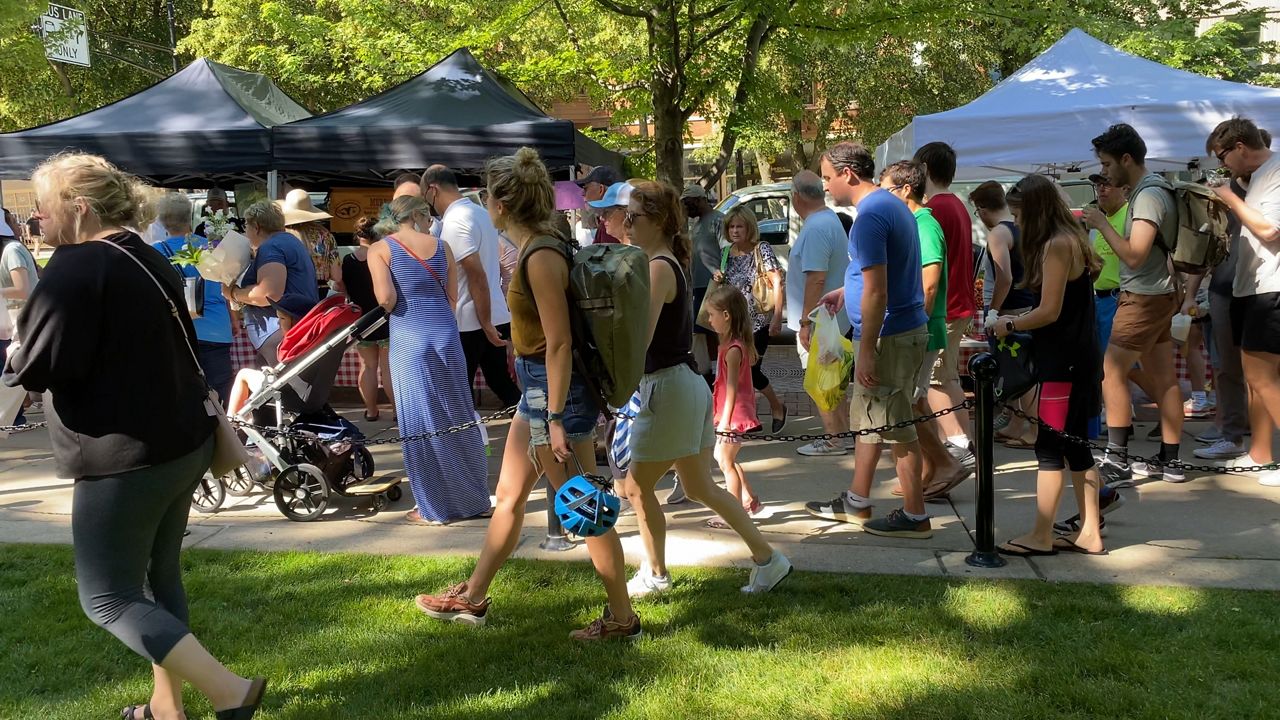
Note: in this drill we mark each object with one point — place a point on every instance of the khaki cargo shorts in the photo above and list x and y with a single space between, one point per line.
898 361
947 367
1143 321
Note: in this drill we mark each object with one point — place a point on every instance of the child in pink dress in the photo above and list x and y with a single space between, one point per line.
734 398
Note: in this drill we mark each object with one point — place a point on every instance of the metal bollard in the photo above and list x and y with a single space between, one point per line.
556 540
983 368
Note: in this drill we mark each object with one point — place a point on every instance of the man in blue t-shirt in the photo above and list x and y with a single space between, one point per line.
884 296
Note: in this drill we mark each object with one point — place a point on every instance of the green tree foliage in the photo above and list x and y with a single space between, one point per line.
34 90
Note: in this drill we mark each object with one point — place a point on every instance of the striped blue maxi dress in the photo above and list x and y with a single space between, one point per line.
447 474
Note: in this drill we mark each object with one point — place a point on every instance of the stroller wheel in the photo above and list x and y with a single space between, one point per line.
301 492
362 464
208 495
239 483
394 493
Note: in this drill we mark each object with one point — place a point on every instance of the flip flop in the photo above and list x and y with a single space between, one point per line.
1014 549
413 517
1019 444
127 713
716 523
942 488
1066 545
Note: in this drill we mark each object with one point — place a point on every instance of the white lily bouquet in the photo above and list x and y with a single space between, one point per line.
222 261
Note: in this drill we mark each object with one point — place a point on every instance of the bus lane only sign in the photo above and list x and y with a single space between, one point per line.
66 35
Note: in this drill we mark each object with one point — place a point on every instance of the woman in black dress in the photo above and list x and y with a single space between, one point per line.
1060 265
351 276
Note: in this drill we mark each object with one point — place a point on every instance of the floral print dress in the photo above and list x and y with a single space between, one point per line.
740 271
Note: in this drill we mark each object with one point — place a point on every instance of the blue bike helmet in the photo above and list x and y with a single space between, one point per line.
585 506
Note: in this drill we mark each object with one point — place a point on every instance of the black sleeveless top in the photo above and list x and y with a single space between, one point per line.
672 342
1067 349
1018 297
359 284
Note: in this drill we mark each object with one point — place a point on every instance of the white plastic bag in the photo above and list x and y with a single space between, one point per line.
227 262
831 345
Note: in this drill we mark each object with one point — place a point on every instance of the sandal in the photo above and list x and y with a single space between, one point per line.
1019 444
257 689
1016 549
127 713
754 508
1066 545
413 517
372 418
716 523
941 488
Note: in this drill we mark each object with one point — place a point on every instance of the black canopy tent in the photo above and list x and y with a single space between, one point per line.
456 113
207 123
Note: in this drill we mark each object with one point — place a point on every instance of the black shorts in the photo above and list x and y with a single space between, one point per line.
1255 322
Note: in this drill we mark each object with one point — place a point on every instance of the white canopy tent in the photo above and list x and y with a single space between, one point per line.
1042 118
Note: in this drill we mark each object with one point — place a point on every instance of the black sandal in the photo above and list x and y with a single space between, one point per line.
372 418
127 713
257 689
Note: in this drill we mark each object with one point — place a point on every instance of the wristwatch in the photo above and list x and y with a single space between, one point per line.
1008 325
555 417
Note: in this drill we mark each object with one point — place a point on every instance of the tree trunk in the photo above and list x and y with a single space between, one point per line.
765 166
757 36
668 133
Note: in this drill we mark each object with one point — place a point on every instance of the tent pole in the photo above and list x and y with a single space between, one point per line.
273 185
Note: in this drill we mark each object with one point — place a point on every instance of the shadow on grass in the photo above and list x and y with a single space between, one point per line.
339 637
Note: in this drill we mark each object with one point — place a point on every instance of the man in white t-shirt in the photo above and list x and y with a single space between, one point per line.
483 318
1240 148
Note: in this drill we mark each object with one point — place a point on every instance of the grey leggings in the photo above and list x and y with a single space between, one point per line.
127 530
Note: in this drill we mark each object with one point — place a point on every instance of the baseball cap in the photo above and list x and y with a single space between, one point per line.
602 174
693 190
1099 179
618 195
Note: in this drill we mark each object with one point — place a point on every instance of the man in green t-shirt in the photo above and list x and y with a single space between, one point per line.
1113 200
941 471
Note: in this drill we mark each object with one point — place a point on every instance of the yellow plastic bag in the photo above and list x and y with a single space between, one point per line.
830 358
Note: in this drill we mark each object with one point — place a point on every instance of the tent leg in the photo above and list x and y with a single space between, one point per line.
273 185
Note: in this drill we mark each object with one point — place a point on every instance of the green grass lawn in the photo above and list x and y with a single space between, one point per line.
339 638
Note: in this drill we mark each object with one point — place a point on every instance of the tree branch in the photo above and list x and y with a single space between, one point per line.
711 35
628 10
708 14
761 29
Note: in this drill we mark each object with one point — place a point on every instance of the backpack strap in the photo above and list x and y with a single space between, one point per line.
1150 181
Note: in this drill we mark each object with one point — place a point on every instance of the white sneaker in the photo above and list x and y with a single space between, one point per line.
822 448
766 577
1241 462
1197 408
1270 478
645 583
1223 449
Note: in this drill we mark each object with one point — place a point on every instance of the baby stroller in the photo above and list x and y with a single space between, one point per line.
308 452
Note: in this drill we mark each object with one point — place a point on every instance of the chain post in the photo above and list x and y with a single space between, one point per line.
556 540
983 368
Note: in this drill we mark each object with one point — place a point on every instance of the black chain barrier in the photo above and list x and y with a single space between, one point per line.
1127 457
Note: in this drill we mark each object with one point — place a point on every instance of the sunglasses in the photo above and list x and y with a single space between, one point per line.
630 217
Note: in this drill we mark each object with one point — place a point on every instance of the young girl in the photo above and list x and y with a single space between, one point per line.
733 398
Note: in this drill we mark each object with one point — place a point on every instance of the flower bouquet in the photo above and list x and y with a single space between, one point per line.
222 261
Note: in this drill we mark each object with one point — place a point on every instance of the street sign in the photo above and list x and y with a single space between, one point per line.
66 35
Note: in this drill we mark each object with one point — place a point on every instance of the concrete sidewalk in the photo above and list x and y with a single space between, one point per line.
1218 530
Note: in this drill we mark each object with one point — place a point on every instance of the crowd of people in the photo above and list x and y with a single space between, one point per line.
462 283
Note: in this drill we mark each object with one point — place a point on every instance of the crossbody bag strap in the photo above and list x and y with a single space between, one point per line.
173 308
414 255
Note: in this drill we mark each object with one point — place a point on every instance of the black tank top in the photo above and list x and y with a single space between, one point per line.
1067 350
672 342
359 285
1018 297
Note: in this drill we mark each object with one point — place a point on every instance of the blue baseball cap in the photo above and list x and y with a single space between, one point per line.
618 195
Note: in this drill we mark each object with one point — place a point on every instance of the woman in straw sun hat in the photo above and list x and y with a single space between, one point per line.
303 221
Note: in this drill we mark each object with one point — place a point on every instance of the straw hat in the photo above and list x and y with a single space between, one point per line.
297 208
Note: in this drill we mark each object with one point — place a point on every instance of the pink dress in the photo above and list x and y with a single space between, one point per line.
744 405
